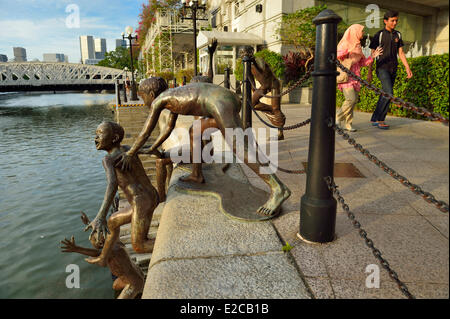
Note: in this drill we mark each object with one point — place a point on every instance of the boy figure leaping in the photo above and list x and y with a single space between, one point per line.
139 191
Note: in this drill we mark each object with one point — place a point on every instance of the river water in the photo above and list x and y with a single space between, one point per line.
49 172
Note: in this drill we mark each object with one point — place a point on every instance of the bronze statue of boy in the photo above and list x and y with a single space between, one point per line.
138 190
130 278
219 106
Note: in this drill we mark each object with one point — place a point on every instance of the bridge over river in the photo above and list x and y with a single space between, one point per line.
50 76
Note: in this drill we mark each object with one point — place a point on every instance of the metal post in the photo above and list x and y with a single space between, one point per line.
184 80
133 84
174 82
226 81
194 17
117 89
246 94
125 100
317 205
238 87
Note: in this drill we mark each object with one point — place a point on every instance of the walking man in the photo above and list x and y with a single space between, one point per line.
391 42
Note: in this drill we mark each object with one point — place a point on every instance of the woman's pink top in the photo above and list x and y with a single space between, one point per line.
358 63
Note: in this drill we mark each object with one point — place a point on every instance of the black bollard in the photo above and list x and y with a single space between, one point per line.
317 205
125 99
226 81
117 88
174 82
246 94
184 80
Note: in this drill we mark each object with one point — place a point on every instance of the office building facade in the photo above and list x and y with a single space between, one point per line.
20 54
424 24
3 58
87 48
121 43
54 57
100 48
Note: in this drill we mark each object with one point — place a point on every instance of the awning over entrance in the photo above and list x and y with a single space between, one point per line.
228 38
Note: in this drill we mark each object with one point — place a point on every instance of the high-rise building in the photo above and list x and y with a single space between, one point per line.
20 54
87 48
3 58
100 48
121 43
53 57
66 58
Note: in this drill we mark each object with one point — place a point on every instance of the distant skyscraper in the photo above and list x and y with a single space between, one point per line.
3 58
66 58
20 54
121 43
87 48
100 48
53 57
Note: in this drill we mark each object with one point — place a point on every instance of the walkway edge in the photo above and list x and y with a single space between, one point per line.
201 253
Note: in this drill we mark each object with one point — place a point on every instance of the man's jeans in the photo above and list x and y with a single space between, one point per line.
387 80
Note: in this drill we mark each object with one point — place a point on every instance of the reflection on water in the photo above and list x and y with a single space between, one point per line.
49 172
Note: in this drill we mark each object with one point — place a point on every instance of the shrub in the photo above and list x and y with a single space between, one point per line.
427 88
189 74
295 67
273 59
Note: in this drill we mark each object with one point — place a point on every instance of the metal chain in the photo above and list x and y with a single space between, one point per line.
285 128
296 84
428 197
408 105
289 171
376 252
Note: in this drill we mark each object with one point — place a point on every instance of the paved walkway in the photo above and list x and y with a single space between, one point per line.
201 253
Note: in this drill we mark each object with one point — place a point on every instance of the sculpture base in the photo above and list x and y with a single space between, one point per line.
239 199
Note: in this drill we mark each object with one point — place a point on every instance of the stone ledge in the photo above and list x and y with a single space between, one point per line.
201 253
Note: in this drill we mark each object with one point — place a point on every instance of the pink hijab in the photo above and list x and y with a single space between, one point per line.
350 42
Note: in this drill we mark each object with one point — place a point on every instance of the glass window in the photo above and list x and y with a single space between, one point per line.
410 25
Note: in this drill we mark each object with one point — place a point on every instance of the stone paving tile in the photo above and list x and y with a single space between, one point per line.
413 248
356 289
320 287
269 276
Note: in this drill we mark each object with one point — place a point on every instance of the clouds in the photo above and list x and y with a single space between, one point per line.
40 26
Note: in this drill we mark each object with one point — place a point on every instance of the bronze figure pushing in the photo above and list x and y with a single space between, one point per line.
220 109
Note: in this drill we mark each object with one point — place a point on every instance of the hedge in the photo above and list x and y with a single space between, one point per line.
427 88
273 59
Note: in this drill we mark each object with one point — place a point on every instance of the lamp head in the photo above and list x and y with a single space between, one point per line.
129 30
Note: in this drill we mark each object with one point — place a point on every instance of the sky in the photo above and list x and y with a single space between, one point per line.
51 26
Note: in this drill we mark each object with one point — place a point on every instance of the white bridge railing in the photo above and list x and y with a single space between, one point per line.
49 73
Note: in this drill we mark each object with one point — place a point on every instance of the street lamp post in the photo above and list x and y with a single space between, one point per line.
194 6
129 31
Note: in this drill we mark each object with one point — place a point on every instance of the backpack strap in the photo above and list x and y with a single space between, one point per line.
379 42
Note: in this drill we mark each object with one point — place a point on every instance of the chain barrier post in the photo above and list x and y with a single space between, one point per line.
125 100
247 91
238 87
117 90
184 80
174 82
318 205
226 82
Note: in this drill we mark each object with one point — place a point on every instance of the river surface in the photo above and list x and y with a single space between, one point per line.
49 172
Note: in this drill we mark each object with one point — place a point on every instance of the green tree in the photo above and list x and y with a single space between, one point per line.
119 59
299 30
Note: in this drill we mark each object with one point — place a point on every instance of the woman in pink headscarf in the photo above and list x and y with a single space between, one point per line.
349 50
